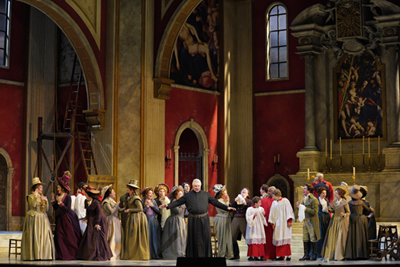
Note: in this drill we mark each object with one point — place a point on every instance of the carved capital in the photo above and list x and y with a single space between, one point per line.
162 86
96 118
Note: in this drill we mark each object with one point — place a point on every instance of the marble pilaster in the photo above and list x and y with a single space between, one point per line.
310 104
129 88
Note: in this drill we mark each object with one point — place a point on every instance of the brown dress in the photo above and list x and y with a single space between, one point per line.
135 239
94 244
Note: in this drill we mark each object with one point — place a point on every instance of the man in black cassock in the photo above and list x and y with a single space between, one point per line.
199 235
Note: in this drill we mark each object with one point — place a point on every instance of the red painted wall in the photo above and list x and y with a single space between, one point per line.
182 106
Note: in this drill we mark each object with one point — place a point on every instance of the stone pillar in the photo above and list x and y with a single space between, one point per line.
310 104
238 94
129 92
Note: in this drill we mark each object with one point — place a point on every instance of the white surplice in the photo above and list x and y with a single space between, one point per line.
255 226
281 212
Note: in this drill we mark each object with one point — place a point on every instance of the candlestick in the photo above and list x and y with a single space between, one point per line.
363 144
216 159
354 171
326 147
340 146
369 147
331 149
308 172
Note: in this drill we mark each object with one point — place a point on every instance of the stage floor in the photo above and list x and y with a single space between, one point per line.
241 262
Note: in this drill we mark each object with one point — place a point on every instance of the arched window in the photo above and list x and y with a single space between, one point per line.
276 43
5 12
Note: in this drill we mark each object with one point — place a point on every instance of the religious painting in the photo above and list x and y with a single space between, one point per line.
196 51
359 83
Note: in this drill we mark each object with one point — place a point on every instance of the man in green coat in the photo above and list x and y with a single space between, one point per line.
311 233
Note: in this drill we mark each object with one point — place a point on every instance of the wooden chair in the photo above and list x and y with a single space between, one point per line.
16 245
387 238
214 240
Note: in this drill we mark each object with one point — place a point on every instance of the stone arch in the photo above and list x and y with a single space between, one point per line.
281 183
164 54
203 150
10 171
86 56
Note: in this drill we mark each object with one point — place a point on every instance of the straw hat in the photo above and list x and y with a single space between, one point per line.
93 191
35 181
217 188
106 188
171 195
64 180
355 192
133 183
161 186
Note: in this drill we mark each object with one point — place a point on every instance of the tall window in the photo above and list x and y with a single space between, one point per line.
4 31
277 52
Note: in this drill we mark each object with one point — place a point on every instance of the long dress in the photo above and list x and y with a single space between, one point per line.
68 233
269 248
199 234
164 213
94 245
135 240
371 222
154 229
357 240
37 237
280 215
335 239
324 219
173 243
223 230
110 210
255 235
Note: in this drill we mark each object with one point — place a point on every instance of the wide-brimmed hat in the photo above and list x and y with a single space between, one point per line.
217 188
344 188
171 195
64 180
363 191
35 181
106 188
355 192
144 191
161 186
133 183
93 191
318 186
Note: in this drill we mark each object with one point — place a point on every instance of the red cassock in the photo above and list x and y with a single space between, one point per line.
269 248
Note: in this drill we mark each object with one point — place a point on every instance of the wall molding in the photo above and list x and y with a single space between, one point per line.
194 89
11 82
286 92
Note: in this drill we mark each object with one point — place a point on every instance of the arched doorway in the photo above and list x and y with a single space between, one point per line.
6 172
203 150
190 158
281 183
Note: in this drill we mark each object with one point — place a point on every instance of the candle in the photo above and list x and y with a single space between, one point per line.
363 145
326 147
354 171
278 158
331 149
216 159
340 145
274 159
379 145
308 172
369 147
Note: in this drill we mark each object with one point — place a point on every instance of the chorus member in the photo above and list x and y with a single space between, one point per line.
241 203
94 244
152 211
280 219
255 235
266 203
186 188
79 206
37 237
335 241
324 216
173 244
161 191
135 239
110 209
199 235
370 215
319 179
263 191
357 239
67 234
222 223
123 216
311 233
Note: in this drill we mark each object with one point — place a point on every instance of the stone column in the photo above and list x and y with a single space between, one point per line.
310 104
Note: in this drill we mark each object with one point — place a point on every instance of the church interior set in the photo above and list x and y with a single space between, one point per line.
241 93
